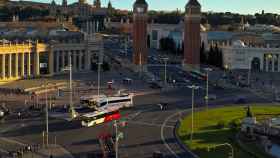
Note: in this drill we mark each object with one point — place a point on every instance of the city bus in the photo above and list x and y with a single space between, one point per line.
198 75
124 100
99 117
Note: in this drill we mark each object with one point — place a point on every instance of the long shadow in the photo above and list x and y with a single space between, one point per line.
156 142
37 129
86 142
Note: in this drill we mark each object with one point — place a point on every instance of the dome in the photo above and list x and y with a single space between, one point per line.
238 43
193 3
142 2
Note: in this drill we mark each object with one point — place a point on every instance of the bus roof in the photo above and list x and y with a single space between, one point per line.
103 110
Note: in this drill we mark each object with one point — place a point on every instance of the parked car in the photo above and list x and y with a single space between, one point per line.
157 154
154 85
212 97
163 106
240 100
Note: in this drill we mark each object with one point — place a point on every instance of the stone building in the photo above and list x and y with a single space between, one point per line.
192 39
140 22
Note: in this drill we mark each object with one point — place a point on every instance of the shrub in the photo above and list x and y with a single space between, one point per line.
234 124
221 124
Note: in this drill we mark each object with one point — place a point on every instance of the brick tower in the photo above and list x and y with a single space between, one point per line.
192 40
140 48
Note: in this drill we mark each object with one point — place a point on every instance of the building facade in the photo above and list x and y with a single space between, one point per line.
240 56
140 21
34 59
192 40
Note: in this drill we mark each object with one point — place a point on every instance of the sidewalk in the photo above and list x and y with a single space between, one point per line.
56 151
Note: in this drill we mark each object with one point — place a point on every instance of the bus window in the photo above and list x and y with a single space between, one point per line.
103 104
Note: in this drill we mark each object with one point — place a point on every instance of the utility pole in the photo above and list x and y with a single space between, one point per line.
165 70
98 80
249 72
193 87
117 139
47 116
207 87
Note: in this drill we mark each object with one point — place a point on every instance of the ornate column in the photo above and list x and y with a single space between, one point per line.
278 62
69 57
74 60
57 62
16 65
80 61
37 63
63 58
87 60
10 66
28 64
266 63
272 61
50 62
3 66
22 65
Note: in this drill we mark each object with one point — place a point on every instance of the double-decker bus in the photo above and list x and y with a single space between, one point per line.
198 75
98 117
123 100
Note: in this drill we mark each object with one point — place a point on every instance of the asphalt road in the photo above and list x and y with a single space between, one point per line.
149 129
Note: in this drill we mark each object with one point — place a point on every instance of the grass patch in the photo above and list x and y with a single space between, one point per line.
212 128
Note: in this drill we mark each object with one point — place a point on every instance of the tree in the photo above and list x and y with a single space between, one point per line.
149 41
106 66
203 58
211 58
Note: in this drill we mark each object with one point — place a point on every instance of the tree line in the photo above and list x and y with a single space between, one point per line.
213 56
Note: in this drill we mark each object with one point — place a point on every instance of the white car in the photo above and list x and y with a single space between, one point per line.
212 97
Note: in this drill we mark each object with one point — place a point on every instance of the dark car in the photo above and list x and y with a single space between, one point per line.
154 85
163 106
240 100
157 154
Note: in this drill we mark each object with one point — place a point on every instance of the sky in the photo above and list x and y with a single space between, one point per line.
237 6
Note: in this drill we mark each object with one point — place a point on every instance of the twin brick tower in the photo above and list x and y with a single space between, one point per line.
192 39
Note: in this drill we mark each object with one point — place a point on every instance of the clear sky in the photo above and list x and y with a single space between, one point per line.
238 6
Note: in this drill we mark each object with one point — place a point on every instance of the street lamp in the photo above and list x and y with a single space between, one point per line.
165 69
193 87
207 86
69 68
47 113
224 144
98 80
119 135
249 71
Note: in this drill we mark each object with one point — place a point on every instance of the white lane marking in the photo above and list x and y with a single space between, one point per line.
149 124
162 136
12 141
162 129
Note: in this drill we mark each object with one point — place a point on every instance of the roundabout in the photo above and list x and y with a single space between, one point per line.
215 131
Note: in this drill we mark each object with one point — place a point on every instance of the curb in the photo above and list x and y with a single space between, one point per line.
181 144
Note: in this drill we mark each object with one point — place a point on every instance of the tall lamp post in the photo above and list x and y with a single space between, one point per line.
165 69
47 116
69 68
207 86
249 71
98 80
193 87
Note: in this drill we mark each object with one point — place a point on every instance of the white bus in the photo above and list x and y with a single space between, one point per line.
98 117
124 100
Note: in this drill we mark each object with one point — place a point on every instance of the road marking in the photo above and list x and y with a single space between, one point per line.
162 135
12 141
149 124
